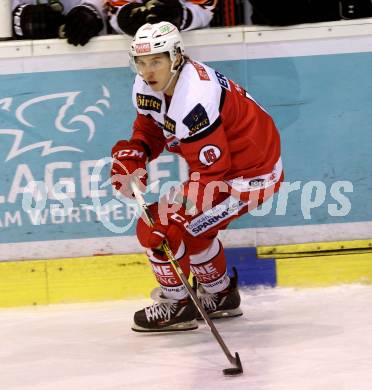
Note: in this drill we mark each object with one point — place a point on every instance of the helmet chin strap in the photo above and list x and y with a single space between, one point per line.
169 82
174 73
167 85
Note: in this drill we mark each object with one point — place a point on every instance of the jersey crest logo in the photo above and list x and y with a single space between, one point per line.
197 119
209 154
169 125
148 102
224 82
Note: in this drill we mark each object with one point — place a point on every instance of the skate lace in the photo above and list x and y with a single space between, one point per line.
208 300
163 308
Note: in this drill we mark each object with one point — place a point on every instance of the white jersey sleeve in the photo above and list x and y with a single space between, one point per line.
113 9
201 15
98 5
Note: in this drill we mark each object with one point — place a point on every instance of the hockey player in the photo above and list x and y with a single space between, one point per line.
232 148
126 16
76 20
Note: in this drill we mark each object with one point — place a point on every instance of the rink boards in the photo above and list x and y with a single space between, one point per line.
129 276
62 108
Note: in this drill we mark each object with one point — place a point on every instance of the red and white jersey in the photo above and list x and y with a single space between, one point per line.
200 12
214 124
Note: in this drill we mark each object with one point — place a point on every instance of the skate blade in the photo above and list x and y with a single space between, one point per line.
181 327
223 314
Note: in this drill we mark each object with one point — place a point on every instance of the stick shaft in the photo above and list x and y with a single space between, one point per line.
182 276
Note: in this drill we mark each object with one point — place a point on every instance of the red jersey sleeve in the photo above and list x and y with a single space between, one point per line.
146 130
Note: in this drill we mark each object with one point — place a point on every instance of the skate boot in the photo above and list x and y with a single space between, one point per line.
223 304
166 315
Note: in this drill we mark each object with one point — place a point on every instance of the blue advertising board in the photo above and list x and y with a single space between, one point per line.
56 126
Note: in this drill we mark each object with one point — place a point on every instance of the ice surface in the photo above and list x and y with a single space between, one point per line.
288 339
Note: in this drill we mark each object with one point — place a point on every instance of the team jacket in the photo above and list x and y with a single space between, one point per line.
200 12
214 124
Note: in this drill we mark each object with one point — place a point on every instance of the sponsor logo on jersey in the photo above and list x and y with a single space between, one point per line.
215 215
224 82
263 181
256 182
197 119
169 125
142 48
209 154
203 75
148 102
173 143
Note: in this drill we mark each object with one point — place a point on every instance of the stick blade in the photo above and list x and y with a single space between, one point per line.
237 370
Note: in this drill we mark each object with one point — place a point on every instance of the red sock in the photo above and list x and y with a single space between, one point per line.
209 268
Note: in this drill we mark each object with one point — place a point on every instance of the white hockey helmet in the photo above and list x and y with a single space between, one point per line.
156 38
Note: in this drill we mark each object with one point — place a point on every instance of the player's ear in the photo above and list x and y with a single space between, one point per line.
178 60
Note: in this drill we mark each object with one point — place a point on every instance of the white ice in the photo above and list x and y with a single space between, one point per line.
288 339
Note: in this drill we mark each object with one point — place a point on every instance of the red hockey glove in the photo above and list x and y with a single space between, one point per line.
153 237
129 162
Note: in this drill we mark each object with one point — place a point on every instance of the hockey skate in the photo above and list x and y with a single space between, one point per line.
166 315
223 304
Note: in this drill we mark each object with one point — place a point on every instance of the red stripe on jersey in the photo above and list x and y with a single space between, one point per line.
117 3
208 3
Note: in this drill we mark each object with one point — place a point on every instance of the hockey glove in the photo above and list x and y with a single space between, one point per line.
171 11
37 21
83 22
129 163
153 237
132 16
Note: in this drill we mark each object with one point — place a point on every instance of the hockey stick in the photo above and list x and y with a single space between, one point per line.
235 361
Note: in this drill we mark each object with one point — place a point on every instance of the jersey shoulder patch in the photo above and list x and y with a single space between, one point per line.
200 69
197 119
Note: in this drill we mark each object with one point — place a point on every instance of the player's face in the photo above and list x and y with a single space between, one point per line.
155 70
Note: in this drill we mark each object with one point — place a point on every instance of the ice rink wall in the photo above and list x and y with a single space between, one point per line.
62 108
